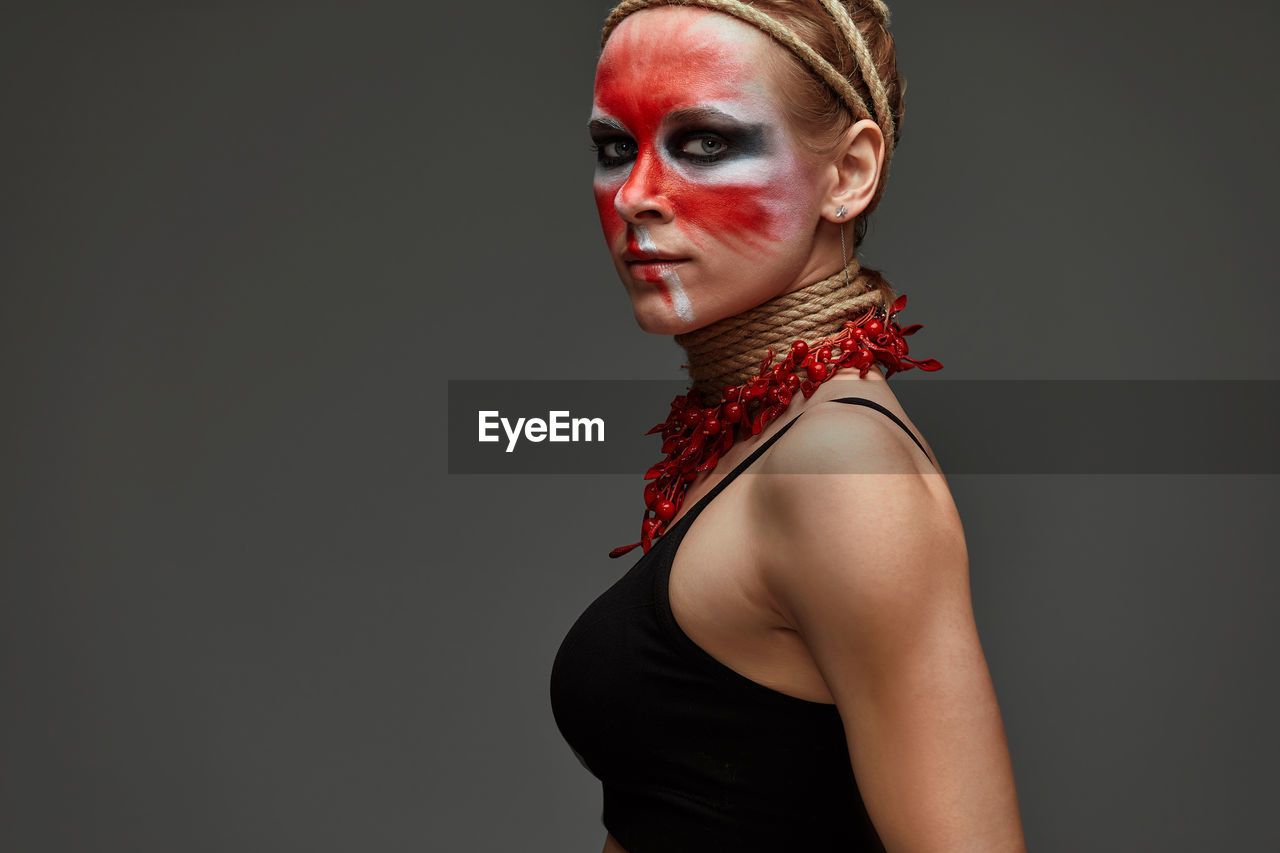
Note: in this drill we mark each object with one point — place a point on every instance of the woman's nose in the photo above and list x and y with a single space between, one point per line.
644 197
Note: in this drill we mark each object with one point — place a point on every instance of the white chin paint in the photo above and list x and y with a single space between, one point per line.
679 299
644 241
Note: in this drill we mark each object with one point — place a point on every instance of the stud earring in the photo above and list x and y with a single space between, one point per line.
841 212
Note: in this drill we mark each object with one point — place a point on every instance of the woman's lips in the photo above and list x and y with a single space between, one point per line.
655 268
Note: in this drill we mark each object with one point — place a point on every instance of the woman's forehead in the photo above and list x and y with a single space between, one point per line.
667 57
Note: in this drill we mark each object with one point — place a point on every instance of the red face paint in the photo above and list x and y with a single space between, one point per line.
697 165
638 84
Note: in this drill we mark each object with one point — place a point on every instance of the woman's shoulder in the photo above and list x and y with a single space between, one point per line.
847 492
835 437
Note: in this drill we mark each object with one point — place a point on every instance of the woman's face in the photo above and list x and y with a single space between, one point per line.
707 203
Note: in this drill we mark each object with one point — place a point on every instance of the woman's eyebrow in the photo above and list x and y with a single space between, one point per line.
605 125
697 114
749 138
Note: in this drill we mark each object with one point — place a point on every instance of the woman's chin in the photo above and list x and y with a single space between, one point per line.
662 320
658 314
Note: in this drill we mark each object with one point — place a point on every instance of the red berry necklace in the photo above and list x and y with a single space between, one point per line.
694 437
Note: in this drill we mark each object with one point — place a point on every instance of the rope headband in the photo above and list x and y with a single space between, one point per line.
784 36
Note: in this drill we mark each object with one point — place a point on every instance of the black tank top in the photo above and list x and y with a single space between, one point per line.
693 756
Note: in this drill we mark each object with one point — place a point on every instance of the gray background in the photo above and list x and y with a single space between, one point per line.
245 245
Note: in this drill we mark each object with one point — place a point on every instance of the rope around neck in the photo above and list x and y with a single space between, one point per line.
729 351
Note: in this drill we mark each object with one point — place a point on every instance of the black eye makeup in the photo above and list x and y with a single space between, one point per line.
707 135
700 136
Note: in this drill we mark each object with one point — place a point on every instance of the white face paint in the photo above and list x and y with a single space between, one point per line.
679 299
664 277
644 241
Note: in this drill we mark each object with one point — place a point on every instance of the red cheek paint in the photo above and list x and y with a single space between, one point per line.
724 211
610 221
665 293
738 213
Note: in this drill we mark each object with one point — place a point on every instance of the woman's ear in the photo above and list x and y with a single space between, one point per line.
857 166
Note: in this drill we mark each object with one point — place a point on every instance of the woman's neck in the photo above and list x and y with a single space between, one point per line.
730 351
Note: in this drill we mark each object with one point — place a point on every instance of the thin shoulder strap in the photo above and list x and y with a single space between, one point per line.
862 401
741 466
755 454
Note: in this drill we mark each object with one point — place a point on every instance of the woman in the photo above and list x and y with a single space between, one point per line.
799 669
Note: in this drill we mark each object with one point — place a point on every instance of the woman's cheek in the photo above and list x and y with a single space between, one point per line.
755 203
748 216
729 214
610 222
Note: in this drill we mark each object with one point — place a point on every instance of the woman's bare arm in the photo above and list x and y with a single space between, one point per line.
871 570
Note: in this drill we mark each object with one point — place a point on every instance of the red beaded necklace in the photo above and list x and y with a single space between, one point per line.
694 437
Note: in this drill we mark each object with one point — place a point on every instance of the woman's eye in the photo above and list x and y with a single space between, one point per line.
619 149
704 146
